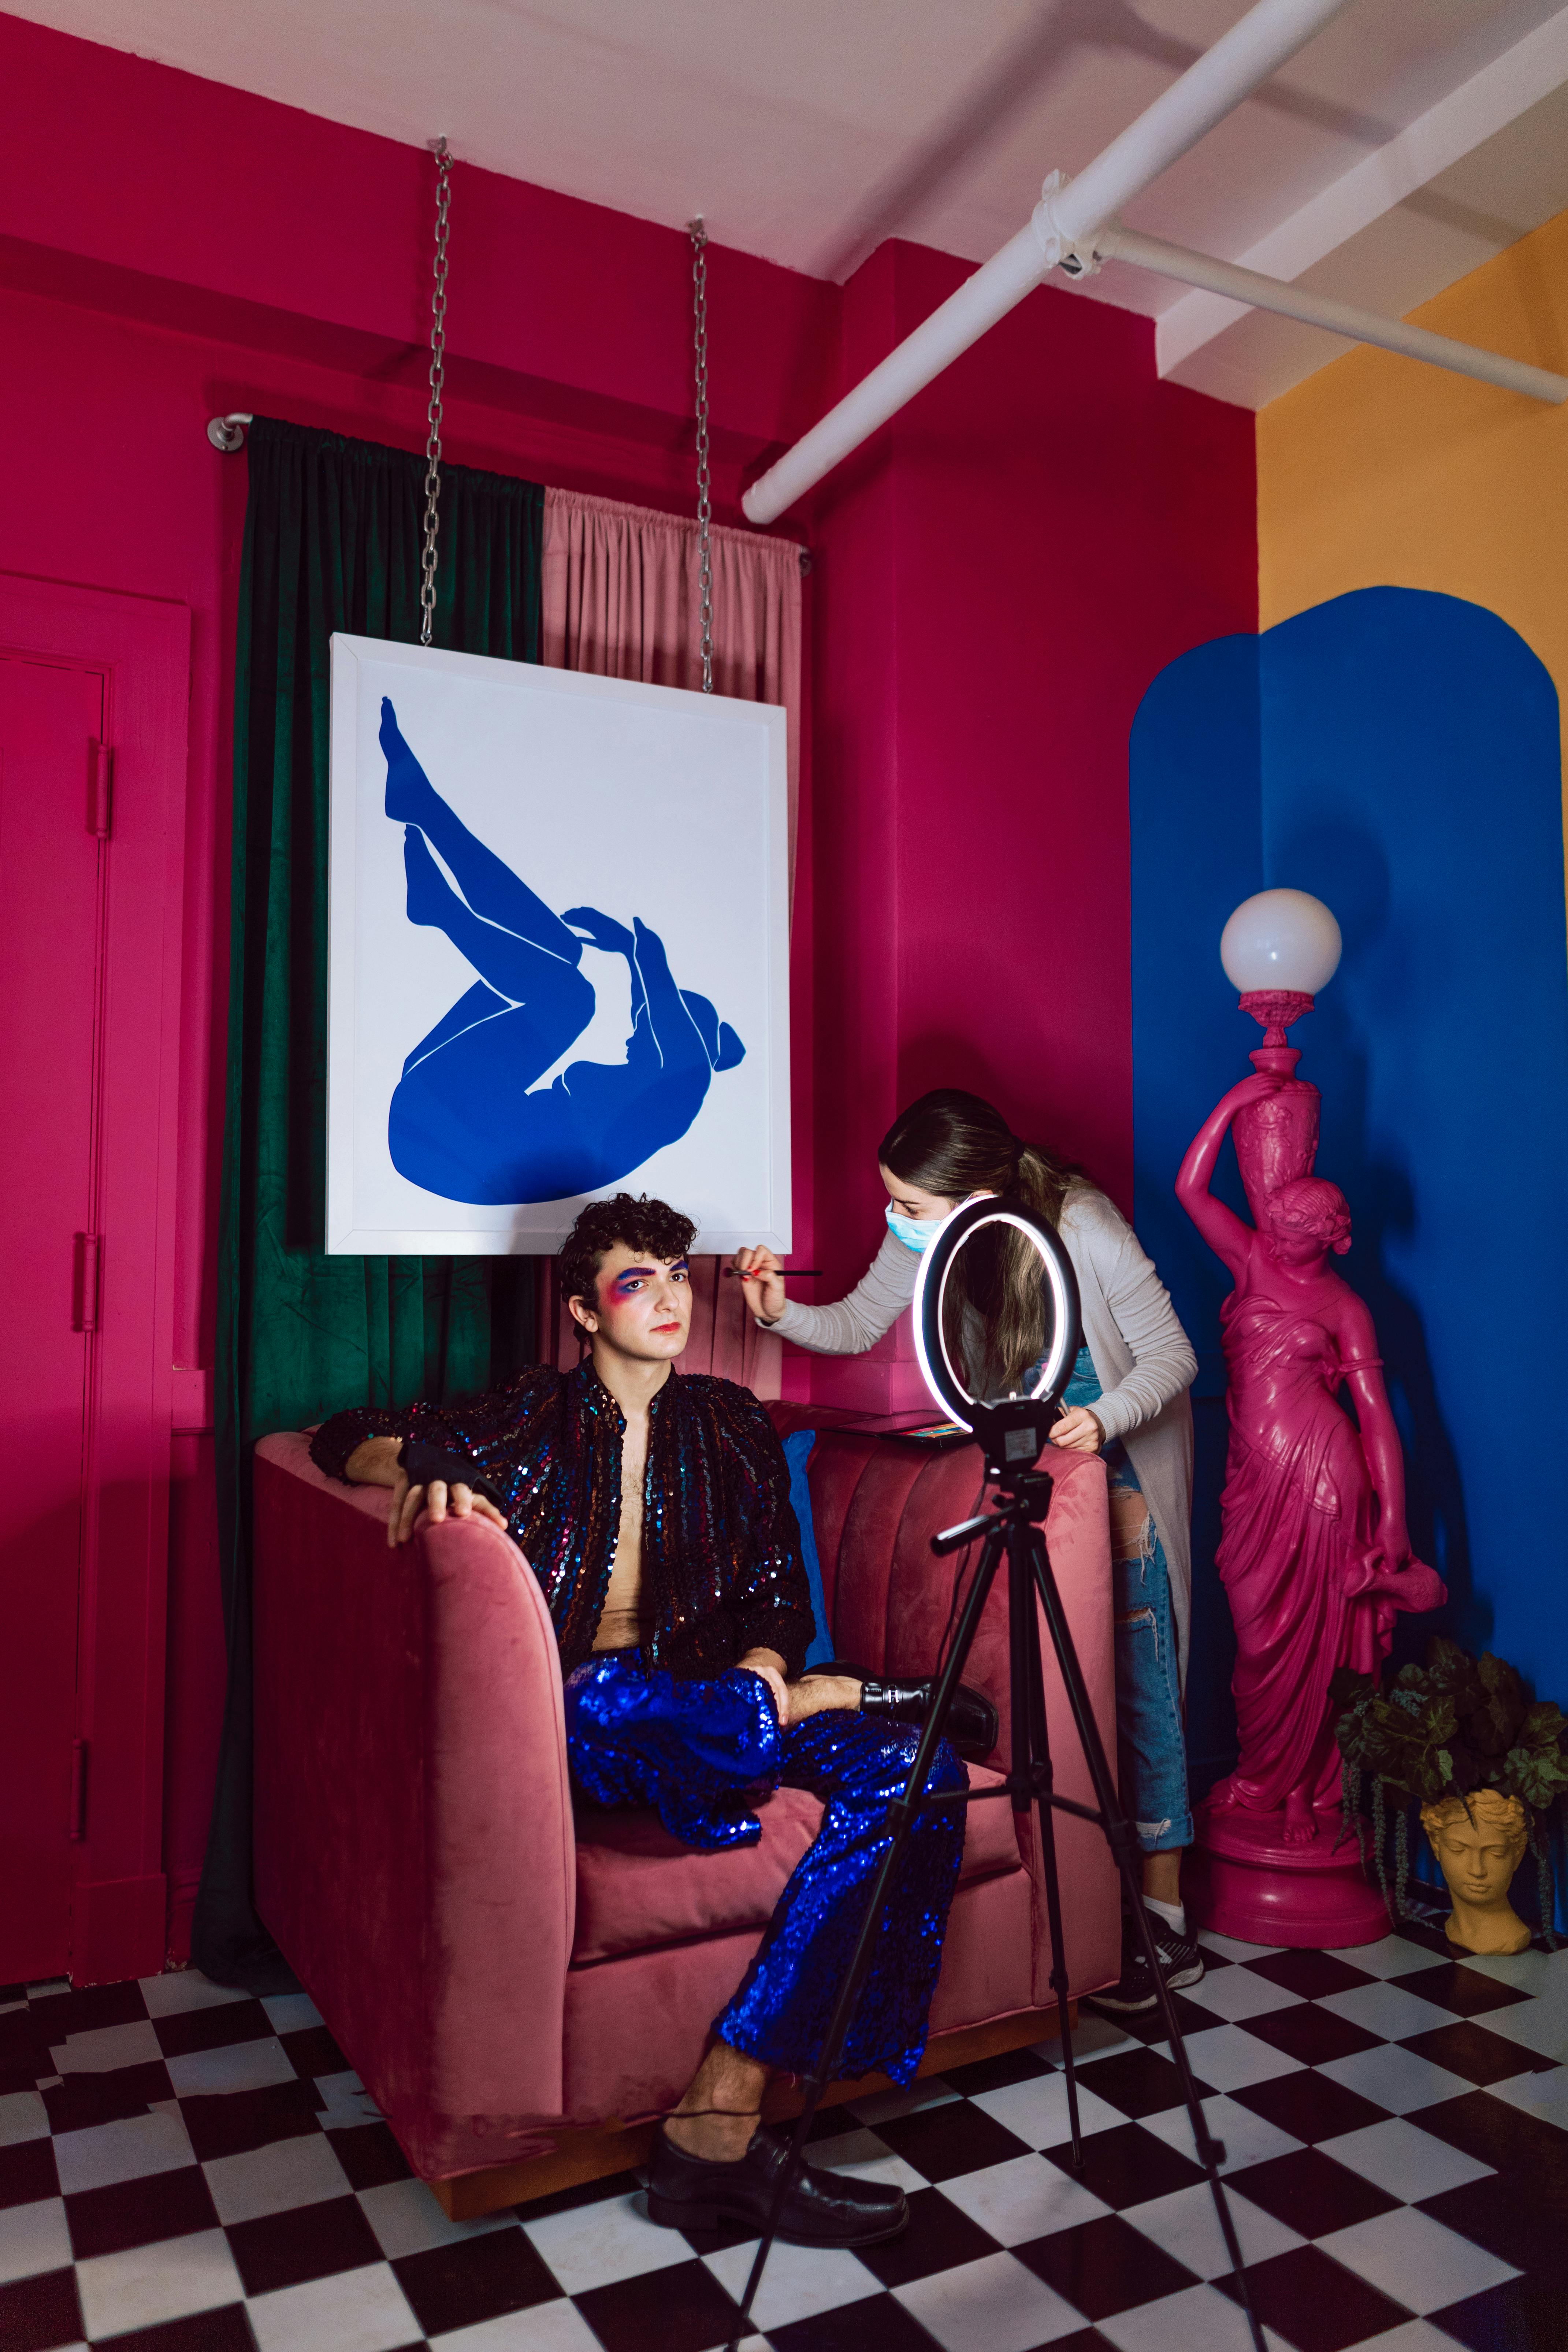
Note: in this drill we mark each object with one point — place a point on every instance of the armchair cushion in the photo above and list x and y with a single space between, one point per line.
639 1888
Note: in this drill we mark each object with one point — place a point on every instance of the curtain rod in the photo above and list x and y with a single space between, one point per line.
227 434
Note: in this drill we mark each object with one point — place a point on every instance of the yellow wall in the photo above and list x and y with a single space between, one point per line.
1381 472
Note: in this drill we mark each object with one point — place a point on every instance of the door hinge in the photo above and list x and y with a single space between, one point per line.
78 1791
85 1283
100 794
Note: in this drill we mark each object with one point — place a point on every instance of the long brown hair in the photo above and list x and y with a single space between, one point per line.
953 1144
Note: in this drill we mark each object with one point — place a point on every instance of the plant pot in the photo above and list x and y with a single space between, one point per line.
1479 1842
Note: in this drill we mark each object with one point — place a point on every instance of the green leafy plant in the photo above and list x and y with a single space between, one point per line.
1445 1729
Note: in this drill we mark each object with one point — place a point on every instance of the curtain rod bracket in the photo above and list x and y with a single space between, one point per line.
228 433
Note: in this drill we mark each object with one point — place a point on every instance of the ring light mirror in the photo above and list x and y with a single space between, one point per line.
977 1415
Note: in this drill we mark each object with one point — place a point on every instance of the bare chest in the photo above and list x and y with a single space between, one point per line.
623 1622
634 1477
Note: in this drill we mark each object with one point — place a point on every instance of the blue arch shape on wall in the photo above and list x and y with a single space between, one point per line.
1396 752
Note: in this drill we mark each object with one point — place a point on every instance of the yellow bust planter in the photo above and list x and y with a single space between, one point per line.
1479 1842
1486 1764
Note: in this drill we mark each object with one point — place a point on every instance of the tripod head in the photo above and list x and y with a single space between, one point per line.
1023 1499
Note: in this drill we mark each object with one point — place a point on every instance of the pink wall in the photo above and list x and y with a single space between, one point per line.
996 581
1000 574
162 259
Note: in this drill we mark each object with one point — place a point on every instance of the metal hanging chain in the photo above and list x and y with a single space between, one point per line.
438 385
699 235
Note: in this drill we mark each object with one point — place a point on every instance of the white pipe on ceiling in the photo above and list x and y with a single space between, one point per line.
1119 244
1262 41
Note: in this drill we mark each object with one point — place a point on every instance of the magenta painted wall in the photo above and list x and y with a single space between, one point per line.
1001 575
996 583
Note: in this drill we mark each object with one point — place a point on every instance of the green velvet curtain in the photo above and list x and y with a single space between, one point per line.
332 537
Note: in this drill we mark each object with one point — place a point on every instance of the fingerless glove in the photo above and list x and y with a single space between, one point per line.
428 1464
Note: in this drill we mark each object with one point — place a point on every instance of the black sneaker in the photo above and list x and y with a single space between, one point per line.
1180 1963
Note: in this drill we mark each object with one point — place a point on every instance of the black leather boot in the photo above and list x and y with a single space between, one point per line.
973 1725
823 2208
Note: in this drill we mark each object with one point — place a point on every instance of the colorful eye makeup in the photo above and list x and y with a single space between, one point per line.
630 1279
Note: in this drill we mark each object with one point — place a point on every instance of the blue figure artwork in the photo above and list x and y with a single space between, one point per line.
463 1121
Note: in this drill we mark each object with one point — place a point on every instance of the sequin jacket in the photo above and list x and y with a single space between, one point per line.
721 1545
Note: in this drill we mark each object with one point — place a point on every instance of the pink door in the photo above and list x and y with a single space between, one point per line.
54 875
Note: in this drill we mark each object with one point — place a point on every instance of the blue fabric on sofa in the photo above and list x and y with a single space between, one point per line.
798 1448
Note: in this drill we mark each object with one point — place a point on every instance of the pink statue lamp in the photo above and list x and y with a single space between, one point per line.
1314 1554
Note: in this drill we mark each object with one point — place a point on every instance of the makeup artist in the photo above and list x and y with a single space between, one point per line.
1127 1400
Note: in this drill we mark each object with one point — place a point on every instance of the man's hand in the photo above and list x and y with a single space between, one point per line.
762 1280
768 1667
375 1463
1078 1432
438 1501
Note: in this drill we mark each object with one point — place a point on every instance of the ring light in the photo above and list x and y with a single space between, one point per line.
1008 1427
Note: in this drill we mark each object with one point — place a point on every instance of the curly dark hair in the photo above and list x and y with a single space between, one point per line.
629 1217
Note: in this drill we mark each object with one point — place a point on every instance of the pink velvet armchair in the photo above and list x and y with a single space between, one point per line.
520 1985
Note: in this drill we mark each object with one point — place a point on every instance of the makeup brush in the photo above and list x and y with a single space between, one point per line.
785 1272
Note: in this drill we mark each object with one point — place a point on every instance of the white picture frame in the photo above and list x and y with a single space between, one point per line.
660 814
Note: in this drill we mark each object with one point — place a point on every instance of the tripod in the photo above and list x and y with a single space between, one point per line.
1012 1529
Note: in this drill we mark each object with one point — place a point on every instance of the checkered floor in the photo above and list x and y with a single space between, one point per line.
184 2169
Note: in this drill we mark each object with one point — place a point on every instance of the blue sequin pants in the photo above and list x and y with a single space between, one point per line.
702 1754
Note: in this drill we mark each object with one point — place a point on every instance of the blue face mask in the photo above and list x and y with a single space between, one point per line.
915 1232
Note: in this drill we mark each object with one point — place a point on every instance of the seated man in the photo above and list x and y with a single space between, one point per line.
653 1509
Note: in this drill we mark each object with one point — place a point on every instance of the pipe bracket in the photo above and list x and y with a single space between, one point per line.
1049 234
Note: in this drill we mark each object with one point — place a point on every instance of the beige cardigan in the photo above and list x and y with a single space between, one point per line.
1142 1359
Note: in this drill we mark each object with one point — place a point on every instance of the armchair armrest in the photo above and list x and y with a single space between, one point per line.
414 1856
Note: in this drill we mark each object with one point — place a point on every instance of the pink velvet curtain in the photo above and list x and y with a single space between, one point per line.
621 598
622 595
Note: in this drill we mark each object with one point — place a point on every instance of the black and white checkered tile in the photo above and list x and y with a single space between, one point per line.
185 2169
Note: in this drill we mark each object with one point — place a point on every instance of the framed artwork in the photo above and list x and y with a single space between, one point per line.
557 957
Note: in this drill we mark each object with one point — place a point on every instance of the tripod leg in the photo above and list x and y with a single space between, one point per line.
1123 1843
1032 1764
902 1816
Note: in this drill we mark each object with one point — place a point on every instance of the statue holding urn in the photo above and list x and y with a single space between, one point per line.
1315 1554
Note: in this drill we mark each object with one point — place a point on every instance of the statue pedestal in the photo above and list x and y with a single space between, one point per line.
1241 1879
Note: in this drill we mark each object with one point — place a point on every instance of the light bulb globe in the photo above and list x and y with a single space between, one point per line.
1280 940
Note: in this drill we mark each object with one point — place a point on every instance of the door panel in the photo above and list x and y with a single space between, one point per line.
52 908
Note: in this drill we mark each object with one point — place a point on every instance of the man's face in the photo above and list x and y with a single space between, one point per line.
642 1306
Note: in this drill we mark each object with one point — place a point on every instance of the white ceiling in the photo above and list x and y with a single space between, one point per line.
806 130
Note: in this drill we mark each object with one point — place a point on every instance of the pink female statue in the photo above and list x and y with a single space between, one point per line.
1315 1557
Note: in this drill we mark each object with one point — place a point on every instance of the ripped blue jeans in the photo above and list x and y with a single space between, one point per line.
1150 1746
1151 1749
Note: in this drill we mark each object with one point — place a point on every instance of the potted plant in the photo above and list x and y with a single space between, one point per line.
1461 1739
